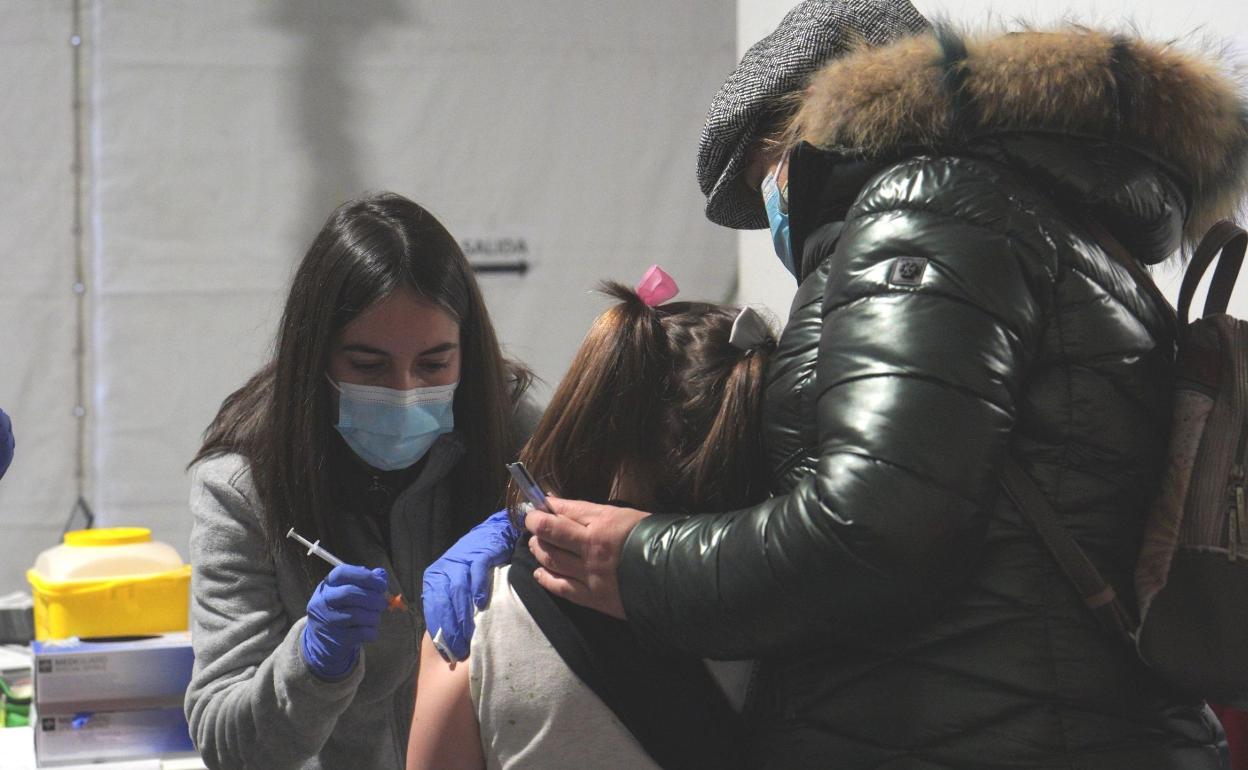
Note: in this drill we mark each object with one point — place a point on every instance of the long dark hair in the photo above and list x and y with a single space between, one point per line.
660 391
281 419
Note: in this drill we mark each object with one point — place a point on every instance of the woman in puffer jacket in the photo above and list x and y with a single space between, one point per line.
956 310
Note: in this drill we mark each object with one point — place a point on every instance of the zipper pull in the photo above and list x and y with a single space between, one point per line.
1232 534
1241 521
1235 519
377 495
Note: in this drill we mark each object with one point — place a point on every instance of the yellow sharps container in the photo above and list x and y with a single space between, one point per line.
109 582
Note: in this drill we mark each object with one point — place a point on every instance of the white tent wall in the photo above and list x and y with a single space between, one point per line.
217 137
38 385
221 135
1201 24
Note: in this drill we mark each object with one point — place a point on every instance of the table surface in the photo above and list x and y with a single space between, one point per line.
17 752
17 744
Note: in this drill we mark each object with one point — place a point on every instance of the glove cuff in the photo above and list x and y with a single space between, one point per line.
499 523
326 670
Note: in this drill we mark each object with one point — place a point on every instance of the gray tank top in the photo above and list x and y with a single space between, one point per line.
534 712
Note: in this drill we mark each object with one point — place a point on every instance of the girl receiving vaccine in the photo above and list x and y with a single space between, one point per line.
380 428
660 410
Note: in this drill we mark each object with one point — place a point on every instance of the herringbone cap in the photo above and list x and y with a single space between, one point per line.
810 34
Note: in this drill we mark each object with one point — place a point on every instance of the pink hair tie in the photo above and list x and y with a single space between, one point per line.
656 287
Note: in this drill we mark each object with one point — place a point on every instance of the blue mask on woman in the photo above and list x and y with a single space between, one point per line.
778 218
392 429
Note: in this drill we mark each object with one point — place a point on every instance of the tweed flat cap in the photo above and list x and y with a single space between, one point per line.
810 34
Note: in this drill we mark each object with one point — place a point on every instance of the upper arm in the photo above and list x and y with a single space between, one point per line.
252 697
445 733
931 313
237 615
917 381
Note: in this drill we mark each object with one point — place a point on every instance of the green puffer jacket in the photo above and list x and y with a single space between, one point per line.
955 312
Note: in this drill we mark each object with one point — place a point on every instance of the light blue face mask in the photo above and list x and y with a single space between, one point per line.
392 429
778 217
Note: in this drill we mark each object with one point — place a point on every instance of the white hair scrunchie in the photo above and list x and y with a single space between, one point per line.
749 330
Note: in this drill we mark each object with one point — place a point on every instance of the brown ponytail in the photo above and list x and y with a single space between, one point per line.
715 451
601 415
660 392
724 471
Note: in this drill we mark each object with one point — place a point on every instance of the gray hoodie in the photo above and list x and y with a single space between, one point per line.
253 702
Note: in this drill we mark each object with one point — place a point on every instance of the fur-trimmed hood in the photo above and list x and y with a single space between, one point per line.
942 89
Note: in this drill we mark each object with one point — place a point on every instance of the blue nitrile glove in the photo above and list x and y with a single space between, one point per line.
6 442
460 581
343 613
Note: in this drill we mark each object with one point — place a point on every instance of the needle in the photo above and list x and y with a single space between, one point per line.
393 601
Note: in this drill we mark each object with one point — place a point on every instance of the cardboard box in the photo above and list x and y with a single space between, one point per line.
72 676
110 735
107 700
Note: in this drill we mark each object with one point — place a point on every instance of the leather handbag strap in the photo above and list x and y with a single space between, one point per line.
1229 240
1093 588
1114 248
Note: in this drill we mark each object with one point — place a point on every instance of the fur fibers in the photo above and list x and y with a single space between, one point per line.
1173 106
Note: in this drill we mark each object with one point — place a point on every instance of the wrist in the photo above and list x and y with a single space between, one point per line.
506 528
327 668
512 534
335 671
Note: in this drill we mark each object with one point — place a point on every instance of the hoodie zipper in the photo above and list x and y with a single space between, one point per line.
1237 515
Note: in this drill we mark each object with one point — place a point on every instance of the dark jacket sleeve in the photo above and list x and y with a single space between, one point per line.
917 384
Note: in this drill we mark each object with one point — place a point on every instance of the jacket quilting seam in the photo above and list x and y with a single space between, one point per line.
790 460
935 482
1147 308
909 206
1015 242
854 302
1132 399
930 379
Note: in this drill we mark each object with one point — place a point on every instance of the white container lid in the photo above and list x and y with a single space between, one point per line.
92 554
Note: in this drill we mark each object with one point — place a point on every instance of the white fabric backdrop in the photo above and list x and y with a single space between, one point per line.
37 320
221 136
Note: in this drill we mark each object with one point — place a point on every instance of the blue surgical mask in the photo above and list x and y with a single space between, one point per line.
778 218
392 429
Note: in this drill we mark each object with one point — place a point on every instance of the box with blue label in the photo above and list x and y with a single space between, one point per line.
98 700
110 735
73 675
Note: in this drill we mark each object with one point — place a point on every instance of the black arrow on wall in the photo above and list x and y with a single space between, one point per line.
519 267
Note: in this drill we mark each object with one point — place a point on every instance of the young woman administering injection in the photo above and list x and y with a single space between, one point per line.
379 431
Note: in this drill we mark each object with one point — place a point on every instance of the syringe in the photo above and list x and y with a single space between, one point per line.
394 601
